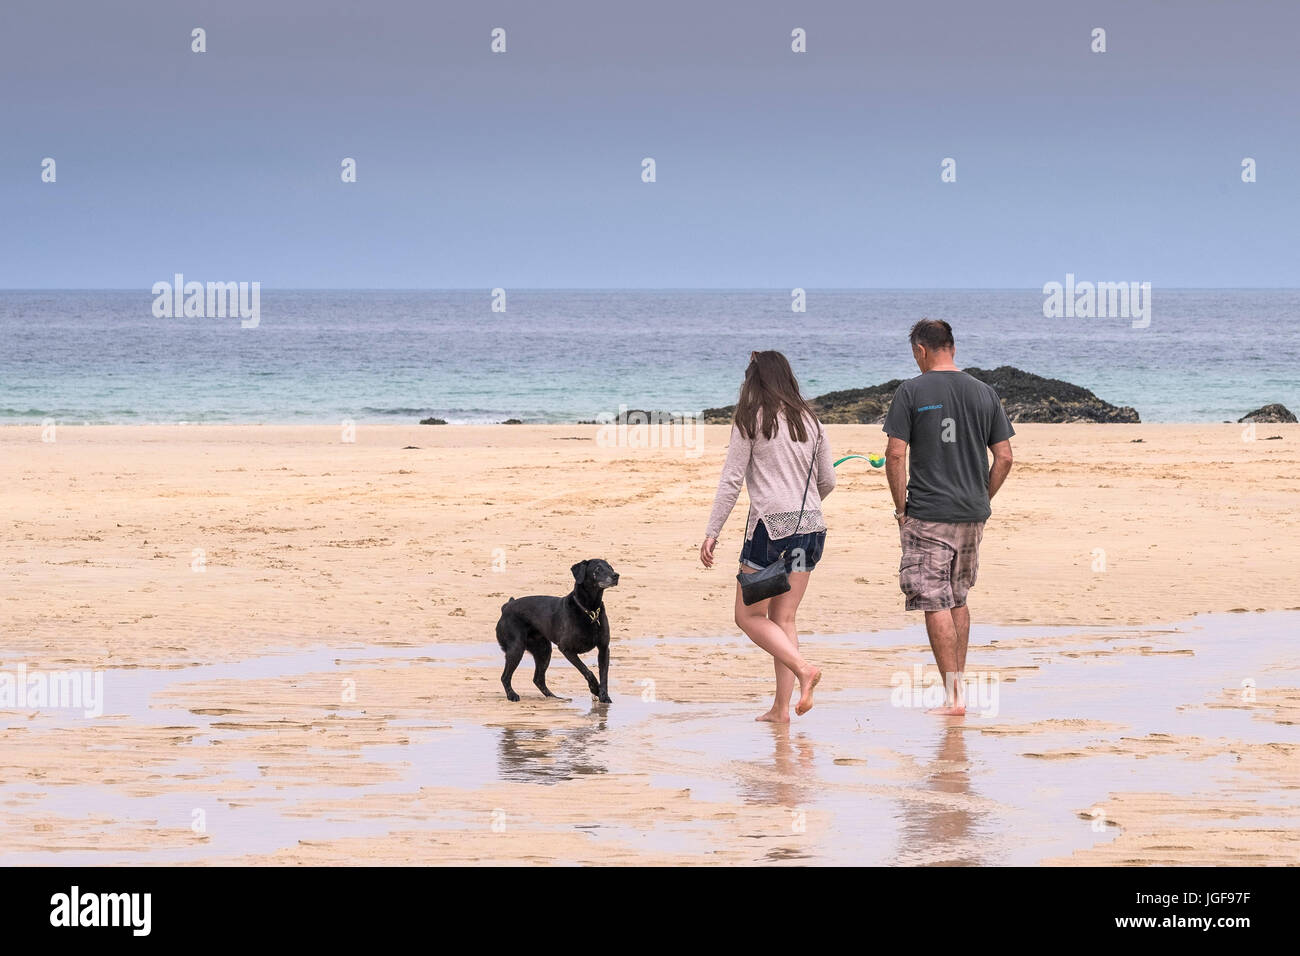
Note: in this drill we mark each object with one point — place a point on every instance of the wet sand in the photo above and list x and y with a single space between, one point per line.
325 690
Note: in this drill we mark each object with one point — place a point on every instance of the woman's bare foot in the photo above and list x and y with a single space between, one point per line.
808 679
775 716
957 711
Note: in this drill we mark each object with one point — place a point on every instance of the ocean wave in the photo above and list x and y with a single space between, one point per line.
370 410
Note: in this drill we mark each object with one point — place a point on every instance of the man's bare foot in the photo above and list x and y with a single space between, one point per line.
958 710
807 681
775 716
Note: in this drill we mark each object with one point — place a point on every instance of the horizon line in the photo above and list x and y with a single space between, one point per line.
785 289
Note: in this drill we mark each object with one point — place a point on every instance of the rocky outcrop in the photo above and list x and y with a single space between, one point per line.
1274 414
856 405
433 421
639 416
1025 396
1032 398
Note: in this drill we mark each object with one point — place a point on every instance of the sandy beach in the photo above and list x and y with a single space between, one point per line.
296 635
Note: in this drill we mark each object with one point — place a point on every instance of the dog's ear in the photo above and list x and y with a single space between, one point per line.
579 571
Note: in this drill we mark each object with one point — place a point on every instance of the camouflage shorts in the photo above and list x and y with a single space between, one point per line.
940 563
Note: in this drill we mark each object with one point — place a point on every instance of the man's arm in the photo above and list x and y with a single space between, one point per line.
1001 466
896 472
898 426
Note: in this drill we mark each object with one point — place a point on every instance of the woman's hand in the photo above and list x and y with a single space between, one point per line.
706 552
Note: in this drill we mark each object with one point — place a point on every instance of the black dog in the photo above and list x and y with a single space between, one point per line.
574 623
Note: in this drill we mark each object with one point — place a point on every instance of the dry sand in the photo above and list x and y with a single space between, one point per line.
149 550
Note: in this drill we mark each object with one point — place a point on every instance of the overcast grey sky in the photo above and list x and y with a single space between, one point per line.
774 169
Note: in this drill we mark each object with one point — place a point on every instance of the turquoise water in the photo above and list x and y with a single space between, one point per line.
563 356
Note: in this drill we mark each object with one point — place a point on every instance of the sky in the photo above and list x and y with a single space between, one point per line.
774 169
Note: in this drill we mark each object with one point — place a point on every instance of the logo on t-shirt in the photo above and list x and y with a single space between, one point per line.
929 408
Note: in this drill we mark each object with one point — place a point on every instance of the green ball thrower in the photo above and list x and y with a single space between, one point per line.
876 461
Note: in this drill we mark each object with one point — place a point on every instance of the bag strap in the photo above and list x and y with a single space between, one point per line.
808 480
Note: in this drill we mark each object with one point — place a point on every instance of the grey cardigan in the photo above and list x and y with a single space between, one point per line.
774 470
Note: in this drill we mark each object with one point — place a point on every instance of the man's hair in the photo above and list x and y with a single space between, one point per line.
934 334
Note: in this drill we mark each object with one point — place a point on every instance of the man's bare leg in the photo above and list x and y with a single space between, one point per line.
961 621
949 653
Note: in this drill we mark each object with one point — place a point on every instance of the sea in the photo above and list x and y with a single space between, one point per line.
555 356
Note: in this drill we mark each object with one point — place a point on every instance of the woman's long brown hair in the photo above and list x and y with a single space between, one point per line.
770 387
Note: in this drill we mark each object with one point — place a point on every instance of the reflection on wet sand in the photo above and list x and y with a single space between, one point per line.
789 781
1158 734
542 755
942 833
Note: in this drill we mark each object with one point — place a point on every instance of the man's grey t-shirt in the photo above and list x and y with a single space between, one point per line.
949 420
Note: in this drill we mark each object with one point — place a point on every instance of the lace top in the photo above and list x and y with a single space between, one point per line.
774 471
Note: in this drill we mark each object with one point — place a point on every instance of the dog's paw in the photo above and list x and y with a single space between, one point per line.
512 696
604 699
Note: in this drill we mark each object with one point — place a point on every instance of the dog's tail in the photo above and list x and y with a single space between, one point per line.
501 637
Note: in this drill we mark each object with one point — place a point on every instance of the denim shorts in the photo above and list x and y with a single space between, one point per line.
802 551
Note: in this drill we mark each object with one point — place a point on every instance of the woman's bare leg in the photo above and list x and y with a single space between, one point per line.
774 639
782 609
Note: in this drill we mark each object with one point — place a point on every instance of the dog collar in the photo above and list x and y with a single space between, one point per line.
593 615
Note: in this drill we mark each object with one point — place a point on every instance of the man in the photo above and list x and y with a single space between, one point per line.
950 421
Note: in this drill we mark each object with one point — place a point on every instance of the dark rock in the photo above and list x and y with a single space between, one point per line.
432 421
854 406
512 421
717 416
638 416
1032 398
1026 398
1274 414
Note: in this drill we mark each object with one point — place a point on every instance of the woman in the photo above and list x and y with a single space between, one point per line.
776 443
